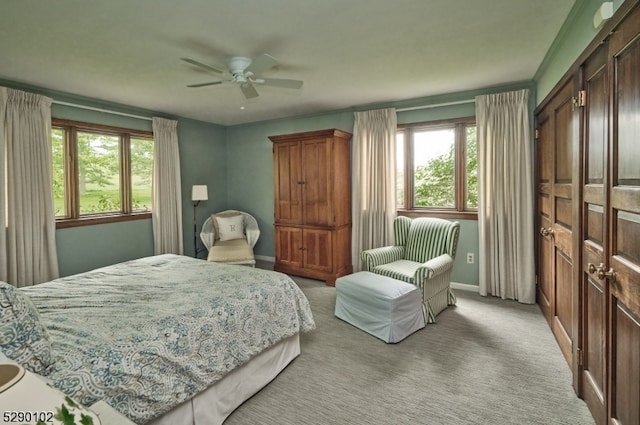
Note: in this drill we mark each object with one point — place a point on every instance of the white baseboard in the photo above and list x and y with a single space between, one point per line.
266 258
465 287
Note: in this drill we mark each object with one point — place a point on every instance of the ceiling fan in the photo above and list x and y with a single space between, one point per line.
245 72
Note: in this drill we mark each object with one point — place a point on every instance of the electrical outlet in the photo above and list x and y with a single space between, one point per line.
470 258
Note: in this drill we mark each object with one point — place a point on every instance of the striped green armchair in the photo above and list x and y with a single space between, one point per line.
423 255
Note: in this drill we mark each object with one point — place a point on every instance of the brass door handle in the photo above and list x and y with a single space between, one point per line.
546 232
609 274
599 271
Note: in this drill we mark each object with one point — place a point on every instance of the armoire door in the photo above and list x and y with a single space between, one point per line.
316 162
317 250
556 144
594 292
287 171
289 247
622 268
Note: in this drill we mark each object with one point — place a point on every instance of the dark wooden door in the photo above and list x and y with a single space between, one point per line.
557 134
622 265
544 152
288 183
594 291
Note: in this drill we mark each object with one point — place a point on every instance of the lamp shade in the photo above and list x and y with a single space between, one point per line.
199 192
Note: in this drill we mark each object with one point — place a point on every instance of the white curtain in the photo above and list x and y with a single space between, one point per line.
167 192
27 244
505 205
374 185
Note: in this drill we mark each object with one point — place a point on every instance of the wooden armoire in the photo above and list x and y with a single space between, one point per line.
588 217
312 181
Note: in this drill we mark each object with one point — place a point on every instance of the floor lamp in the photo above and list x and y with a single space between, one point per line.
198 193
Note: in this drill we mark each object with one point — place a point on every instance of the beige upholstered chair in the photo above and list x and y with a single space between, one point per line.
230 237
423 255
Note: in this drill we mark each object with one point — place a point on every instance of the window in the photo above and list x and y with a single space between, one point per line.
437 168
100 173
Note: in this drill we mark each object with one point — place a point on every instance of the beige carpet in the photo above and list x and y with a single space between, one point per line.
486 361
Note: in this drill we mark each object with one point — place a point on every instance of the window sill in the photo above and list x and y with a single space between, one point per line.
90 220
446 214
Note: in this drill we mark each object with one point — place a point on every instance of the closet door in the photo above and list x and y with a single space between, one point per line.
544 151
556 291
622 268
594 291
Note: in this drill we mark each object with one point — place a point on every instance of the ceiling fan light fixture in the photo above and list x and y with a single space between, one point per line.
246 72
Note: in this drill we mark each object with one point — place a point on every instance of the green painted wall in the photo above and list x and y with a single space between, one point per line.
250 169
574 36
202 161
237 165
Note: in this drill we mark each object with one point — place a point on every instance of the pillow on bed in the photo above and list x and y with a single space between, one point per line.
230 227
23 337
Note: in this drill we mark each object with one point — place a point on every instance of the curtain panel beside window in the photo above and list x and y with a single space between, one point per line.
27 240
167 194
374 194
505 192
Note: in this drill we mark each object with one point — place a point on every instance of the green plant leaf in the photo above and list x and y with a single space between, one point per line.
64 416
70 402
86 420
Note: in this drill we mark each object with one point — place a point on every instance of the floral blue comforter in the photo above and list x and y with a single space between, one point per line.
146 335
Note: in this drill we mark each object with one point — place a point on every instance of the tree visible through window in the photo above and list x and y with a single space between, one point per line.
100 171
437 166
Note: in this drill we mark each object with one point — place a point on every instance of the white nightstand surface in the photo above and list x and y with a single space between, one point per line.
34 399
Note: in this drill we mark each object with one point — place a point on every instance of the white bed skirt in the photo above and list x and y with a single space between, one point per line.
216 403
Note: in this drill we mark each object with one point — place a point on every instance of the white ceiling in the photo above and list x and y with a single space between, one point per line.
348 52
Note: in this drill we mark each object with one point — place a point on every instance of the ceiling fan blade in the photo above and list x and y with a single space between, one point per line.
248 90
213 83
281 82
261 64
203 65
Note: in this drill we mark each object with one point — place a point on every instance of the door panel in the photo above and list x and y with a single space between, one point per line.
627 365
594 291
564 306
544 153
289 246
317 184
623 263
288 183
317 250
563 116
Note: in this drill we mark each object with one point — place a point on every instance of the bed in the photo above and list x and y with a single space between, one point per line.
169 339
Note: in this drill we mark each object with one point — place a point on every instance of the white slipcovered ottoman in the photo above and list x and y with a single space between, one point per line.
384 307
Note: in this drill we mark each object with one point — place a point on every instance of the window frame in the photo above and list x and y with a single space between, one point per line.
71 181
460 210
